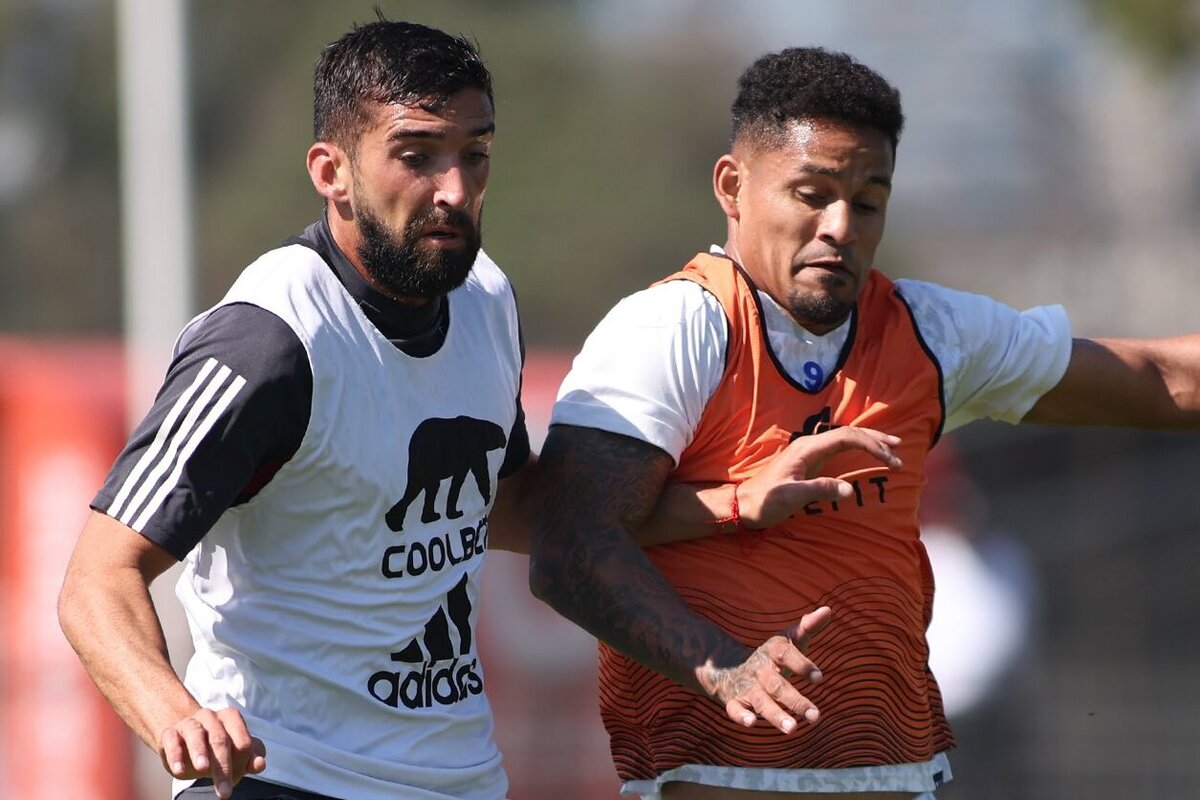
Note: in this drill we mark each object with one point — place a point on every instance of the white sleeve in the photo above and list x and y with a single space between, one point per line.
649 368
996 361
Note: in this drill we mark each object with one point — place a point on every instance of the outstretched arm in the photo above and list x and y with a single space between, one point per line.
108 616
597 487
786 484
692 511
1137 383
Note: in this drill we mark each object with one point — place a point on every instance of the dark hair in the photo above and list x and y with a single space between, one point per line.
389 62
811 83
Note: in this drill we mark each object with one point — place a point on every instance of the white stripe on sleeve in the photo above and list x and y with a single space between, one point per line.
169 441
188 448
164 431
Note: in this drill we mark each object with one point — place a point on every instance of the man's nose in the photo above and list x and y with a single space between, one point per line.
837 223
452 191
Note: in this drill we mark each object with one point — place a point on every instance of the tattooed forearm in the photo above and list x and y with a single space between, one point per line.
598 487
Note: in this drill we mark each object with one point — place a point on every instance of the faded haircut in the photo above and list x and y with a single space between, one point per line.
811 83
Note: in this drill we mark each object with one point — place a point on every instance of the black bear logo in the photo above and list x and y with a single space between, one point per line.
446 448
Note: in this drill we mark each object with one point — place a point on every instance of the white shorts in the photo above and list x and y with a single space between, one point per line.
922 779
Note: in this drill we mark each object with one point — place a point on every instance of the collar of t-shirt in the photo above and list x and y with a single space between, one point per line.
417 330
808 358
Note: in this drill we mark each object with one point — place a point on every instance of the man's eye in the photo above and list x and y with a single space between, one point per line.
414 159
477 158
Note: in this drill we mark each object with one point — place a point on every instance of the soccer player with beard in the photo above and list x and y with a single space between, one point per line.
295 458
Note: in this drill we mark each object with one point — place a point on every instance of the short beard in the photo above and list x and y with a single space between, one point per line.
400 265
820 309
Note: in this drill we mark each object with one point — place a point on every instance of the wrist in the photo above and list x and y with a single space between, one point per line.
706 677
732 522
714 674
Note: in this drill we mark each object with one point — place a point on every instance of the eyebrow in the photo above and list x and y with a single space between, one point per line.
421 133
878 180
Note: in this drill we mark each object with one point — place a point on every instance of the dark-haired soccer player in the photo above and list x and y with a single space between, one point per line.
784 332
324 456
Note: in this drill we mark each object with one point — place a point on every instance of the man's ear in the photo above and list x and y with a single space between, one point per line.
727 183
329 169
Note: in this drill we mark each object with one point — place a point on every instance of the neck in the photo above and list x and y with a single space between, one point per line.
348 239
731 249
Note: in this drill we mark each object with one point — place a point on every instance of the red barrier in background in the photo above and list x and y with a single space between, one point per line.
61 425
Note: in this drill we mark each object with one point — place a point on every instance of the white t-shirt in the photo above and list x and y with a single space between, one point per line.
652 364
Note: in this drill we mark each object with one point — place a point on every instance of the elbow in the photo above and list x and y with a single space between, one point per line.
78 607
539 586
545 578
70 612
543 564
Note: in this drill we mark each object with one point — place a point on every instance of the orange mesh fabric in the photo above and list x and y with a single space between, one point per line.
862 556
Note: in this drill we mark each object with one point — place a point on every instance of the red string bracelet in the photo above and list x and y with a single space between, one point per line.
735 515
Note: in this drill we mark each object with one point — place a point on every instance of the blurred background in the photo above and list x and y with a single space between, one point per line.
1050 155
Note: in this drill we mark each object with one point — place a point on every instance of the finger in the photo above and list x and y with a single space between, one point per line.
770 711
789 659
777 702
747 710
792 706
258 756
195 744
788 650
809 625
822 488
173 753
240 742
886 438
846 435
221 750
739 712
782 701
862 473
822 446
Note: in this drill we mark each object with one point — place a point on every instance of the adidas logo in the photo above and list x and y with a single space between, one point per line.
447 637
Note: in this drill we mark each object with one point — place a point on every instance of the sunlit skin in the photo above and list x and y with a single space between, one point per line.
407 162
805 214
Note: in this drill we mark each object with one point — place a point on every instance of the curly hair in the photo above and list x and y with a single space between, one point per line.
811 83
389 62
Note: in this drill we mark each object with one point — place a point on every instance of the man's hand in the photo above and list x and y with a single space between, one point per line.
784 485
758 687
212 744
787 483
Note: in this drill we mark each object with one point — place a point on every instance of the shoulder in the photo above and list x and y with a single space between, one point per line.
650 366
933 300
996 361
945 314
677 317
672 302
248 339
487 275
289 262
284 280
947 318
